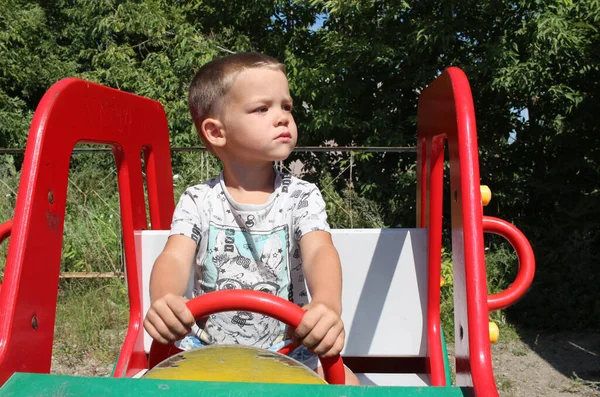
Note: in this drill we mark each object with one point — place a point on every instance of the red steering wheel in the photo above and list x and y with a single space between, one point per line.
252 301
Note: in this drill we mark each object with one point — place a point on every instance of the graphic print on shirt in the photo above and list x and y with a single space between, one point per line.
256 260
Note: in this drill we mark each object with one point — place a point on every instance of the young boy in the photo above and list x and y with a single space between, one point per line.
251 227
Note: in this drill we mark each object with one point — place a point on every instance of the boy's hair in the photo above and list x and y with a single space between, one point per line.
214 79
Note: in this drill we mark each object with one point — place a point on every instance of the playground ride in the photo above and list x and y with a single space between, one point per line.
391 280
251 301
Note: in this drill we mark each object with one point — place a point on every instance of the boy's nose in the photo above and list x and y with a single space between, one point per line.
283 118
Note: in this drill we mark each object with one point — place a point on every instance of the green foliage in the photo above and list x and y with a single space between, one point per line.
30 61
92 233
356 68
373 58
501 265
347 209
9 183
92 236
193 168
447 297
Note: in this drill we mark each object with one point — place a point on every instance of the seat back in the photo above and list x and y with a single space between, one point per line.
384 297
74 111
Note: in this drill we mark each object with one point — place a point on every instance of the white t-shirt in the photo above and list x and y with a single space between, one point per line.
248 246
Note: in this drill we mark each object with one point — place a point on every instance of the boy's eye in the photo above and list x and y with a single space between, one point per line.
261 109
287 108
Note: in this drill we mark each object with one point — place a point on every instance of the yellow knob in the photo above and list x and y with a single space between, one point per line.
486 194
494 332
442 282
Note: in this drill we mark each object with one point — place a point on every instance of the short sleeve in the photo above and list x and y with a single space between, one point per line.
309 213
186 218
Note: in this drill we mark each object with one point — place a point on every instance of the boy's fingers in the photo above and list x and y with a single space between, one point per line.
309 321
160 328
153 332
306 325
181 311
319 331
326 343
332 343
335 349
325 335
165 321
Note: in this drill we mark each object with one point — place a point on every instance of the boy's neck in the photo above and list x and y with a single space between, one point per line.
249 184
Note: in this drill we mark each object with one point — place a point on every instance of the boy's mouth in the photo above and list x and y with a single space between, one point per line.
284 136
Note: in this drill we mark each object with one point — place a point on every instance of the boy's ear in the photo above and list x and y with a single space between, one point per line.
214 132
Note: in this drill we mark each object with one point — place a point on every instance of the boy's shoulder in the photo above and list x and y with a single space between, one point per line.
203 189
299 191
290 182
210 184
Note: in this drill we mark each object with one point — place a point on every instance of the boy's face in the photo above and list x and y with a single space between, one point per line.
257 116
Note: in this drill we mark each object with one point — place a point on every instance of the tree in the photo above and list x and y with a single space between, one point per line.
356 68
361 84
30 61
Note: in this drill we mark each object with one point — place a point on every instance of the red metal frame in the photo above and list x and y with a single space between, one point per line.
5 230
446 112
430 166
257 302
526 262
74 111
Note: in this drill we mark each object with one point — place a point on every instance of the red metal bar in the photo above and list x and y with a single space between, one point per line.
5 230
422 185
446 111
526 262
430 162
75 111
257 302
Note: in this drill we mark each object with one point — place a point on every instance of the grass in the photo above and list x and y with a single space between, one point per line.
519 350
505 385
91 319
577 384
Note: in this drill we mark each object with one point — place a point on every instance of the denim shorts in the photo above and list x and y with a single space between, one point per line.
300 354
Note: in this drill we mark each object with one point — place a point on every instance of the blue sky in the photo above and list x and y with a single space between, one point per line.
319 22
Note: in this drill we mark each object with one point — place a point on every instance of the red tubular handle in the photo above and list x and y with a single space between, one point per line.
526 262
5 230
256 302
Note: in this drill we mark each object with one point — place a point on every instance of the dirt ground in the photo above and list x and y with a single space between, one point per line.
555 365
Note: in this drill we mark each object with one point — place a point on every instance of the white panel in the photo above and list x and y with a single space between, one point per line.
385 291
384 296
151 244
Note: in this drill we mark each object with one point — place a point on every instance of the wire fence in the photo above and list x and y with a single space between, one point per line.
92 243
299 149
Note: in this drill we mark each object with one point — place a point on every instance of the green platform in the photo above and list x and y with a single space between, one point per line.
43 385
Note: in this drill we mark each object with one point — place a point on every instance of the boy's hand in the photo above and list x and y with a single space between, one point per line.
168 319
321 330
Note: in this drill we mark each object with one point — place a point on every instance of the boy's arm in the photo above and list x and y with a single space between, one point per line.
322 269
321 328
171 269
168 318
